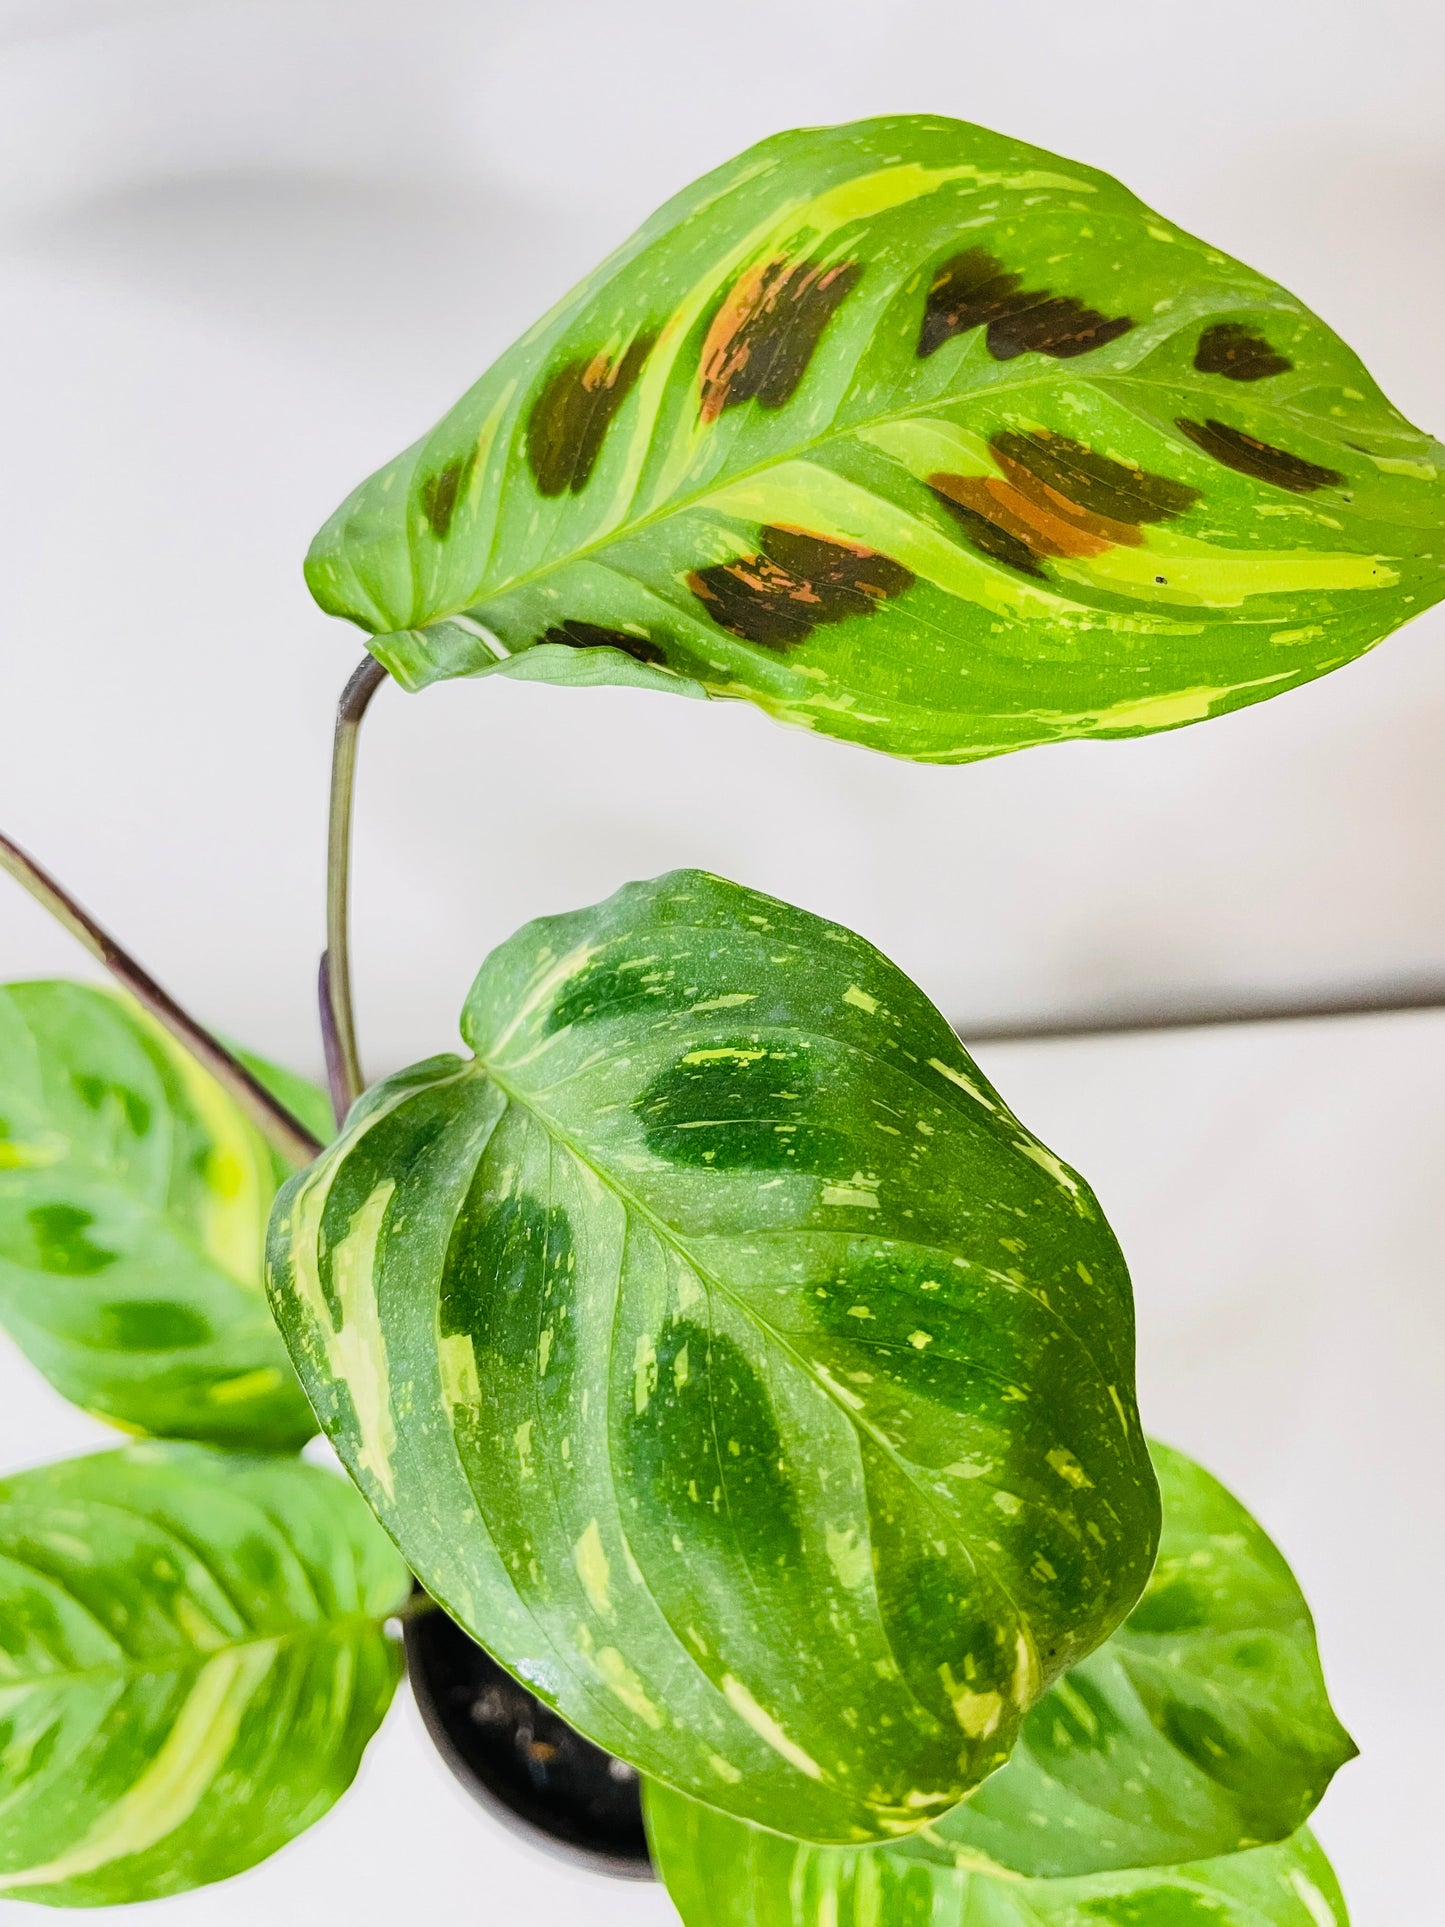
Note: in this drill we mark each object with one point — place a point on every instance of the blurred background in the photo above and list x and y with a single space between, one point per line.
249 250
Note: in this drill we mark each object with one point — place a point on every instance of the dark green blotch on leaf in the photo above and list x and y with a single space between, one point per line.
744 1105
575 634
93 1092
794 584
569 420
1096 483
1238 354
975 290
509 1263
62 1245
706 1445
1262 462
150 1325
766 332
607 988
440 494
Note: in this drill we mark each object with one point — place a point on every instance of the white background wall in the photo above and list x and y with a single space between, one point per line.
249 250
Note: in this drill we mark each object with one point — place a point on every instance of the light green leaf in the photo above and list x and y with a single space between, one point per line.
133 1205
721 1872
916 436
1200 1728
193 1660
722 1351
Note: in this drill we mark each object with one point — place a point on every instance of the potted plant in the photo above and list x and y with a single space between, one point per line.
713 1345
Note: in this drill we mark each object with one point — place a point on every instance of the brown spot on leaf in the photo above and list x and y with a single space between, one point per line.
1055 497
441 492
765 333
576 634
571 416
983 520
1237 353
1259 460
1081 480
794 584
975 290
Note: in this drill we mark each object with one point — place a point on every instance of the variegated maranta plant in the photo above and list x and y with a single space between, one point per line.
713 1341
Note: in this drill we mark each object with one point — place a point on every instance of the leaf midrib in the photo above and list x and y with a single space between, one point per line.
191 1658
666 1235
678 505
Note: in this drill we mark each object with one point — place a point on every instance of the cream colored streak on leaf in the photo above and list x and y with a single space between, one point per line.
800 224
177 1779
766 1727
806 495
356 1353
237 1175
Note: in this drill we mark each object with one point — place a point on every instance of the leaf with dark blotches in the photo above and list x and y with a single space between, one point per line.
133 1205
1123 482
730 1361
195 1657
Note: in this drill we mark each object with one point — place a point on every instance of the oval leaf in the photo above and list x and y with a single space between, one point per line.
1210 1696
720 1872
726 1356
193 1662
916 436
133 1205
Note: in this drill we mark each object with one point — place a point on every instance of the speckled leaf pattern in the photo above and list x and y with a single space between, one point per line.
1201 1728
916 436
723 1353
721 1872
133 1204
192 1658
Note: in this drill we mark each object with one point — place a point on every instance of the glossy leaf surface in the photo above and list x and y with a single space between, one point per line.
724 1354
1200 1728
193 1659
916 436
133 1204
723 1873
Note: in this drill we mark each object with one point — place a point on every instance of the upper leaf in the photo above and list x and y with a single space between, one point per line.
193 1661
725 1355
1200 1728
720 1872
916 436
133 1205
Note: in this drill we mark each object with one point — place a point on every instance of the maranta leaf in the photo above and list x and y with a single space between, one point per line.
729 1360
1201 1728
133 1204
916 436
721 1872
192 1658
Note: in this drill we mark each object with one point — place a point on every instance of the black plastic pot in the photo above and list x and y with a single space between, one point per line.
519 1759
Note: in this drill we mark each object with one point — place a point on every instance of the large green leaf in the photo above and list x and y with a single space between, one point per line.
133 1205
726 1356
192 1659
721 1872
916 436
1202 1727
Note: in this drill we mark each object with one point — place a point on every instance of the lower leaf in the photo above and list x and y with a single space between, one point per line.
193 1659
723 1873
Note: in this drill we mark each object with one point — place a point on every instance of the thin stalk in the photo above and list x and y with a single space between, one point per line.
271 1117
338 1020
